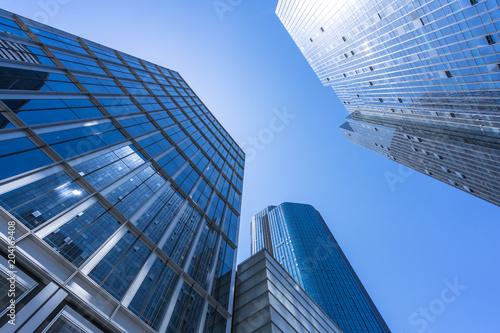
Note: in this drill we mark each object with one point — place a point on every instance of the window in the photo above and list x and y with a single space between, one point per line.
381 100
438 156
328 79
322 29
371 83
460 175
344 75
468 189
344 39
345 55
445 169
151 301
371 68
357 95
63 324
352 52
428 172
311 40
448 74
489 39
4 289
473 2
20 155
400 100
452 115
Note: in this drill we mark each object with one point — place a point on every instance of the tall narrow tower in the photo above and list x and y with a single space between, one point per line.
298 238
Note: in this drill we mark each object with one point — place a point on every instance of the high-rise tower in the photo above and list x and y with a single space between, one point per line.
420 79
298 238
119 191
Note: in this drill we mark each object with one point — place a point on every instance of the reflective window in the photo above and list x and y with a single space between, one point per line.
59 41
230 227
76 141
222 284
215 322
154 221
34 111
21 52
5 282
9 26
24 79
187 311
187 178
128 197
99 85
202 194
171 162
203 256
116 271
38 202
64 325
105 169
153 297
20 155
181 238
79 63
137 126
155 144
117 106
81 236
216 209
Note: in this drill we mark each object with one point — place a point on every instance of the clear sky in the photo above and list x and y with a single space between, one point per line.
407 241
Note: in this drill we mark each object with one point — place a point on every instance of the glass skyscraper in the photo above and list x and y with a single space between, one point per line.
123 189
420 79
299 239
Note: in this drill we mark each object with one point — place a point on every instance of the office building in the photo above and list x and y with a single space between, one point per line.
299 239
420 78
268 299
123 189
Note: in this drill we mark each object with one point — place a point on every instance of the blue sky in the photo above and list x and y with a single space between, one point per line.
407 242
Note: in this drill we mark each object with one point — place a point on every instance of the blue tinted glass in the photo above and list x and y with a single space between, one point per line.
20 155
187 311
38 202
116 271
153 297
81 236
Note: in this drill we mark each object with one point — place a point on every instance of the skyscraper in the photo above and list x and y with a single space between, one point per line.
299 239
420 79
268 299
120 188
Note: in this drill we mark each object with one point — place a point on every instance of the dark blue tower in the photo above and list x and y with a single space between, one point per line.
297 236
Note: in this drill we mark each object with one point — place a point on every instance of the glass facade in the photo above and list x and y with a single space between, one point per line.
424 69
115 168
299 239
